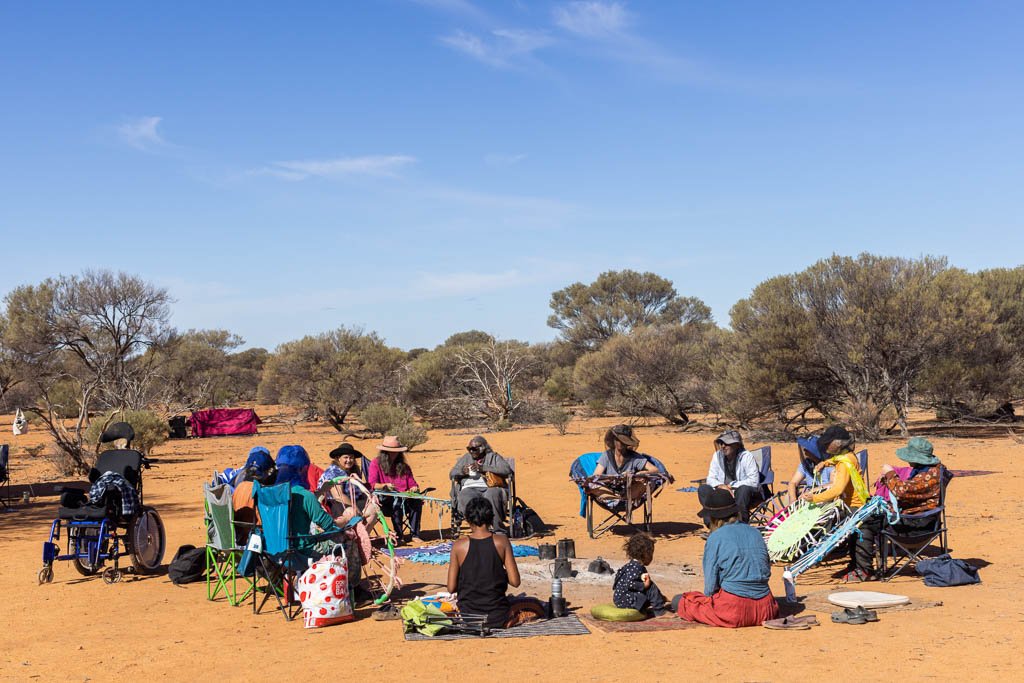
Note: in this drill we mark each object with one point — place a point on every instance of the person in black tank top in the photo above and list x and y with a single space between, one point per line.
482 567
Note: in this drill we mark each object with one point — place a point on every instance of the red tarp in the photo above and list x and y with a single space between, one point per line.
224 422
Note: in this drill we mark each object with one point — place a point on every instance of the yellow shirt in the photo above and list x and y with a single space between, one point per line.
847 482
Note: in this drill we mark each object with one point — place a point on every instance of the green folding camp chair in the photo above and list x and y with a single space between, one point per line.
222 550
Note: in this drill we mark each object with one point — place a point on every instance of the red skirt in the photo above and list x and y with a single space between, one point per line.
726 609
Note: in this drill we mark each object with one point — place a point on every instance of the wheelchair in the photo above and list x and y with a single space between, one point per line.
96 531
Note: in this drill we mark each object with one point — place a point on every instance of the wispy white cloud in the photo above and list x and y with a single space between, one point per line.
593 19
503 159
433 285
142 133
459 7
501 48
373 165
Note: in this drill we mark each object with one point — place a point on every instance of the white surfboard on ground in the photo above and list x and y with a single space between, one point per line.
867 599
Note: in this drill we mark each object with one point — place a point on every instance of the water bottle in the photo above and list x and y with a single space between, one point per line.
556 587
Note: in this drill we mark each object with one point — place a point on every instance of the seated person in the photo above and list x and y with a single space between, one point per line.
259 458
632 587
482 567
390 472
343 499
810 456
293 466
258 467
736 571
619 458
837 445
916 490
733 469
469 478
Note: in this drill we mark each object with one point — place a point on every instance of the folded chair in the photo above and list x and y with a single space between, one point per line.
222 549
901 545
278 563
618 510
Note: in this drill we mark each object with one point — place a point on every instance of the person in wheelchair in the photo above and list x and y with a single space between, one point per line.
619 458
734 469
481 472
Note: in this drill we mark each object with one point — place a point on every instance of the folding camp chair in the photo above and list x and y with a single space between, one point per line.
510 500
278 562
765 508
5 475
902 544
619 510
222 549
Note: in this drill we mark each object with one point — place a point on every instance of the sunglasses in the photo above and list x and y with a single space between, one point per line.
475 449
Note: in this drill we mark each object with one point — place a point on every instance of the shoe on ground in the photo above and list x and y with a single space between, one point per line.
387 612
848 616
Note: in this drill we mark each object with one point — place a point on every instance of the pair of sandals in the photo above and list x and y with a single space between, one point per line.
792 623
855 616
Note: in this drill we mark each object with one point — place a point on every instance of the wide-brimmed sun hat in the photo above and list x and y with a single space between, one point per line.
344 449
833 433
391 444
624 434
719 504
918 451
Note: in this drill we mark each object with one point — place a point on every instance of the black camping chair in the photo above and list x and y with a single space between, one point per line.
5 475
901 545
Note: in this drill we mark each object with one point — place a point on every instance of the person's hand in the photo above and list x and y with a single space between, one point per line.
807 496
646 578
414 489
724 487
820 466
467 470
886 469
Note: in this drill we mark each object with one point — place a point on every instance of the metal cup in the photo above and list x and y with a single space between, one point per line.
546 551
558 607
567 548
562 569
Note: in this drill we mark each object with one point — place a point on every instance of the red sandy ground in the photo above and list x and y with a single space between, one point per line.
147 628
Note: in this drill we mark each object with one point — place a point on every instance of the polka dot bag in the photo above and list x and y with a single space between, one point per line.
323 591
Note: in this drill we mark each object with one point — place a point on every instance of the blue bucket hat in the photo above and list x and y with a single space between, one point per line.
810 444
292 462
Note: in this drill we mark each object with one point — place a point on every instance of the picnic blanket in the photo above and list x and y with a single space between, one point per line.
440 553
569 625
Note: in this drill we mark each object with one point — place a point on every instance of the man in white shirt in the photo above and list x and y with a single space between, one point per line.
733 468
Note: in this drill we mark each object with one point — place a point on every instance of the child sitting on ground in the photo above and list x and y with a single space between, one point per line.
633 588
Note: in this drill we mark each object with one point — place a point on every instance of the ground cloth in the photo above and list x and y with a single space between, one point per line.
569 625
971 473
440 553
667 623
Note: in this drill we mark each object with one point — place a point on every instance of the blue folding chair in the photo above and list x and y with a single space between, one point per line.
619 509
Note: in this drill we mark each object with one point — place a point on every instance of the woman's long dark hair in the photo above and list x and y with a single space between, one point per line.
392 468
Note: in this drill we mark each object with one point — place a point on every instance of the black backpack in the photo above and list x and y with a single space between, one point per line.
525 521
188 565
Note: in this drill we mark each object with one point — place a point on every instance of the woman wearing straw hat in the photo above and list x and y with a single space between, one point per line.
390 472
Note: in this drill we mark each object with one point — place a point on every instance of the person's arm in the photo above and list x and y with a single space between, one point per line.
747 473
410 481
496 464
840 479
716 475
511 568
458 472
317 514
710 565
455 563
794 483
600 469
918 489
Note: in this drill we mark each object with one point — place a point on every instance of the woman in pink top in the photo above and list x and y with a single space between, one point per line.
389 472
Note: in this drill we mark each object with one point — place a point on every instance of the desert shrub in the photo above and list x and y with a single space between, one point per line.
558 386
501 425
150 429
597 407
531 410
383 418
559 418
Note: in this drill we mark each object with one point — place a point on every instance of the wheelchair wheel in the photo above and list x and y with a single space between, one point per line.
146 541
45 575
79 541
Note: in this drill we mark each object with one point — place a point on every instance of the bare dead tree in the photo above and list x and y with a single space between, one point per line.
490 370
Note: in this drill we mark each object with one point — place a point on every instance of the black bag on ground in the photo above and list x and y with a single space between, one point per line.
525 521
945 571
188 565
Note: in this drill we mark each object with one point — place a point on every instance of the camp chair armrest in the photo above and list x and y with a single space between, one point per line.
699 481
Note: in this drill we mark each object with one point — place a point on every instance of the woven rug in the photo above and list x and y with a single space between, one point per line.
818 602
569 625
647 625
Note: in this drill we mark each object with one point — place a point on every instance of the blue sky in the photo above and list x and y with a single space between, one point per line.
424 167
